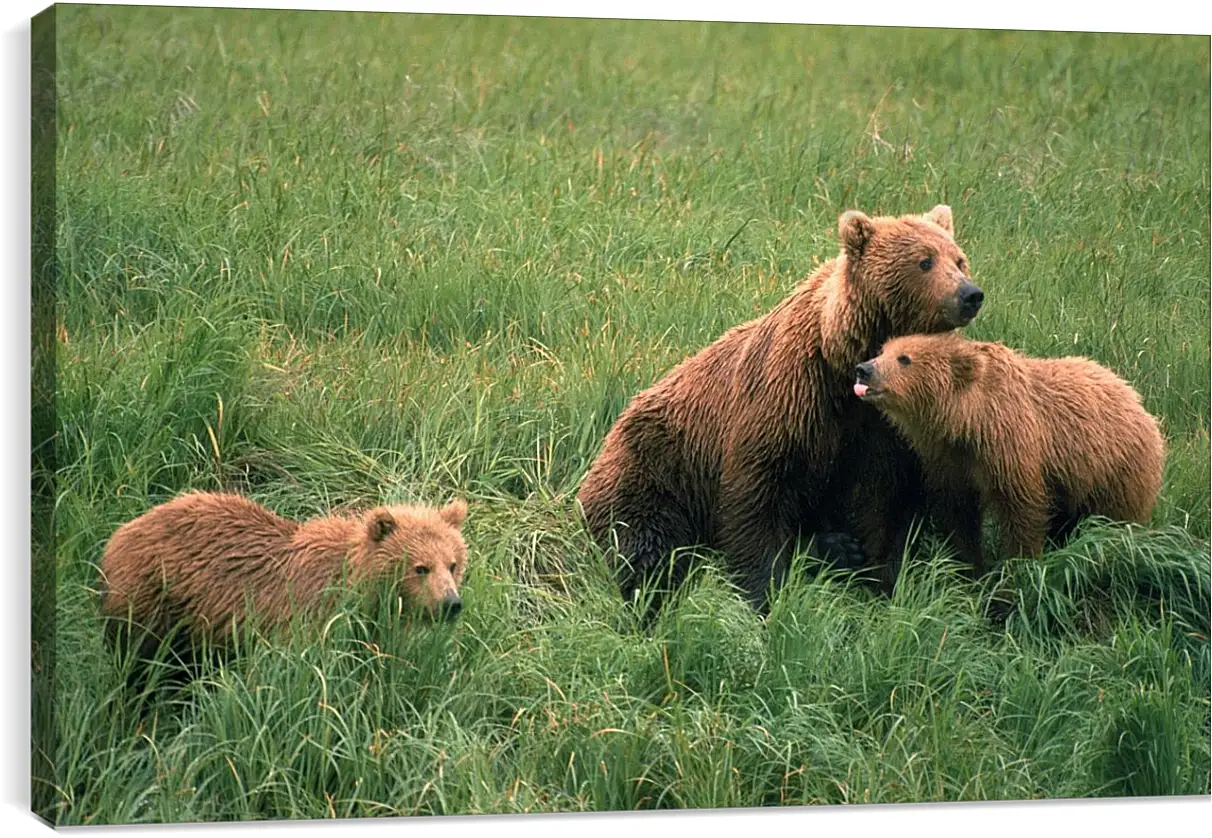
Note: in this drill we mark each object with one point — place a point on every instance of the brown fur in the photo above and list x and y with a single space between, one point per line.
753 441
203 560
1039 442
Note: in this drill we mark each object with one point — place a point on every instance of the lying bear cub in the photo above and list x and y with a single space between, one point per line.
202 562
1037 442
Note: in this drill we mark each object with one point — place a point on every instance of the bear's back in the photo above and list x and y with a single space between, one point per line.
182 549
1099 424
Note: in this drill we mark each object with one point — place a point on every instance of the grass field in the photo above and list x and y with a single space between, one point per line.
332 260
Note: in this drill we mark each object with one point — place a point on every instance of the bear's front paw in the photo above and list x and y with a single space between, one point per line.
840 549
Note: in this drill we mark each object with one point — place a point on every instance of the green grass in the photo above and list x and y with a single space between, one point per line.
335 259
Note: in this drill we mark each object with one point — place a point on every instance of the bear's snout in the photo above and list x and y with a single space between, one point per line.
865 380
450 606
970 299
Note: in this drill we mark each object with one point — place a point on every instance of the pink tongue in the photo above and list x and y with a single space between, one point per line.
860 390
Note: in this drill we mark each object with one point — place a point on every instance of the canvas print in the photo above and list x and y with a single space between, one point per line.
458 415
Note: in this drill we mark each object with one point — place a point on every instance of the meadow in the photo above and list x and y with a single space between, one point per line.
332 260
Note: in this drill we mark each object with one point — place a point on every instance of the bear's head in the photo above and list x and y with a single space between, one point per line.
915 377
911 268
419 552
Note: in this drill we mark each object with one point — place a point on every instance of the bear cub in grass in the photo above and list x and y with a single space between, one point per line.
757 439
203 561
1037 442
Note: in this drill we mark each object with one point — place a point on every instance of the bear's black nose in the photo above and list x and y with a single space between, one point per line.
863 371
971 297
450 607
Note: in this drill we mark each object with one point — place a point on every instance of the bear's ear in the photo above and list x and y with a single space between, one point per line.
454 512
941 215
964 368
382 524
855 230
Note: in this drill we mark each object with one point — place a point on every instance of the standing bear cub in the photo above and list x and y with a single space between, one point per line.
1038 442
757 440
203 561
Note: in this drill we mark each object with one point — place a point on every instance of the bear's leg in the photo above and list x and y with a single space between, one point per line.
633 516
647 558
770 492
152 660
884 538
885 494
645 552
152 643
758 526
1061 526
958 514
1063 514
1019 498
1119 503
1024 528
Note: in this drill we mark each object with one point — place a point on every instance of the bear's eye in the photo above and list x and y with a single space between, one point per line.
961 264
926 264
421 570
903 360
454 567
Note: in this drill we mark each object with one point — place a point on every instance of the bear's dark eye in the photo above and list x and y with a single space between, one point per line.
903 360
421 570
926 264
961 264
454 567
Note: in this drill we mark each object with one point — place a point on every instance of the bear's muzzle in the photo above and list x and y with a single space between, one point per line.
450 606
970 297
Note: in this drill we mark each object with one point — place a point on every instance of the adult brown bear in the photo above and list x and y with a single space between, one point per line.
758 438
1037 442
